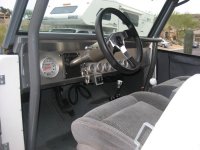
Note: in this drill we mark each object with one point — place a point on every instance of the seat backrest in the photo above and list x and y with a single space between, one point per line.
178 127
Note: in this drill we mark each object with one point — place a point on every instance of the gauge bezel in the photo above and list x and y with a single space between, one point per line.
53 74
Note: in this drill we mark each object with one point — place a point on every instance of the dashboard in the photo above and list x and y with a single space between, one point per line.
56 57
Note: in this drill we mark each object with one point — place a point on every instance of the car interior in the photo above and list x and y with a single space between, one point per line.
94 90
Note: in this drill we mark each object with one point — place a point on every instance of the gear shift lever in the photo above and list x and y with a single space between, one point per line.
117 93
119 84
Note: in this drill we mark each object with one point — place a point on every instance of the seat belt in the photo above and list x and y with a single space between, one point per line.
143 128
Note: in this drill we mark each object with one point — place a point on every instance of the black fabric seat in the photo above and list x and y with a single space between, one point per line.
169 87
114 125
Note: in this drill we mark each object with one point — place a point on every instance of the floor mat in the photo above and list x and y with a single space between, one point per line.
54 126
63 142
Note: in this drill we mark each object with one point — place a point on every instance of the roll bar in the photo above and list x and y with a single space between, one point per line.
34 71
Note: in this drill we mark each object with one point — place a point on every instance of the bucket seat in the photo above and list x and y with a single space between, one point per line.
169 87
117 125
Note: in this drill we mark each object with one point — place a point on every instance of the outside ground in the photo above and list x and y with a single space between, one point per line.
3 28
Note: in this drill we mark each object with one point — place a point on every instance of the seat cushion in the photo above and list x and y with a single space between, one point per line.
168 87
115 125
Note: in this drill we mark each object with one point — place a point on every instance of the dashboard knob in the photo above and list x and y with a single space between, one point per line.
125 63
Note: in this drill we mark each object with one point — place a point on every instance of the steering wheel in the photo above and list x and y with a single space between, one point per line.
116 42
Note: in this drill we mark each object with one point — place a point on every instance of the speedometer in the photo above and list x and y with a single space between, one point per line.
49 67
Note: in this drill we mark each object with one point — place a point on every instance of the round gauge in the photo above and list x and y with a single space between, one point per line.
99 67
90 68
107 67
48 67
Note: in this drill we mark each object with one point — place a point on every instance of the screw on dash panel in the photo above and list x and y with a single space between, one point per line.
2 79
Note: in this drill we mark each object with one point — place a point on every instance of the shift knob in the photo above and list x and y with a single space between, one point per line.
153 81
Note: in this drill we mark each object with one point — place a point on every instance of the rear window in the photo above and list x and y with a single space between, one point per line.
64 10
82 32
106 16
64 30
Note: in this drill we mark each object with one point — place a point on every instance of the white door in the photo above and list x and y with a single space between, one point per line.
10 103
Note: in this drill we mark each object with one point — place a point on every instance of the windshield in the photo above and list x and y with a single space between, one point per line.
69 16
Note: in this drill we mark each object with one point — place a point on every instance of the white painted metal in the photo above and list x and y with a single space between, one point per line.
10 103
179 126
85 15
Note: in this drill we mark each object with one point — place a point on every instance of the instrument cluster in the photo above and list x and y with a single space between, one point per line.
101 67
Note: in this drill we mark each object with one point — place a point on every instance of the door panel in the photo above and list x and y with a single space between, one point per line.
172 64
10 103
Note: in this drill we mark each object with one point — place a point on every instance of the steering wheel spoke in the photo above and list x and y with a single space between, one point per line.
132 62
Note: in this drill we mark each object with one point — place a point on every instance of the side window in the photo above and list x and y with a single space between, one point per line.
107 17
182 31
133 18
